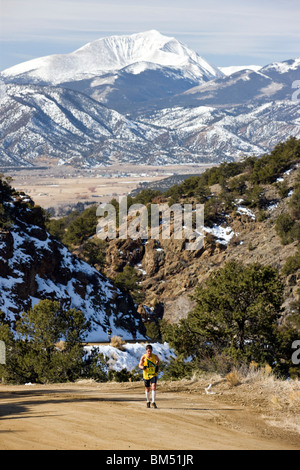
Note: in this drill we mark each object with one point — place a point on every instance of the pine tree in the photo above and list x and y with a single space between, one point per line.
238 310
49 344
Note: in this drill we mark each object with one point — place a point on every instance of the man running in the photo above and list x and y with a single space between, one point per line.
149 364
109 332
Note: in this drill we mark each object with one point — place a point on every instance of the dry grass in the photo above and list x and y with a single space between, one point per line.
117 342
294 400
277 401
233 378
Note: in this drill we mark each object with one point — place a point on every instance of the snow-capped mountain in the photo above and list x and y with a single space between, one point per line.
120 71
143 99
111 54
135 86
213 132
287 70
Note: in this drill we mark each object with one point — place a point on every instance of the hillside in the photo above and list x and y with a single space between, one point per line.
251 215
34 265
246 206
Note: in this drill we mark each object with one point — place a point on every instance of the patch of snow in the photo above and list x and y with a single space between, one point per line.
243 210
222 234
272 207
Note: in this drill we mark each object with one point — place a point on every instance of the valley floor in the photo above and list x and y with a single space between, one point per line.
60 186
113 416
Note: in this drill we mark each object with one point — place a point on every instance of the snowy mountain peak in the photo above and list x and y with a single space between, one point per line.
237 68
283 67
113 53
116 52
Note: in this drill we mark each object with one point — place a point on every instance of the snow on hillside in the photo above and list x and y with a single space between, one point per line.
35 266
65 124
130 357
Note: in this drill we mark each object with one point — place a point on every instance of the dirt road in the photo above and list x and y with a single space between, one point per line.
114 417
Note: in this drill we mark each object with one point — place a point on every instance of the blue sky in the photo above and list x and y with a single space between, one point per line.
224 32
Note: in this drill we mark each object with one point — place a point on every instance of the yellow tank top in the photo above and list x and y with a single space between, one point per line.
150 364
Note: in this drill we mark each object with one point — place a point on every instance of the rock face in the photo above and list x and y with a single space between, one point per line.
34 266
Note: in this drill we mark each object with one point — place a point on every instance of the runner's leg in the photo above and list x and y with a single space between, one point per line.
153 385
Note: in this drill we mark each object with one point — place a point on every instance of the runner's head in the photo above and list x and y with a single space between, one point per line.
148 350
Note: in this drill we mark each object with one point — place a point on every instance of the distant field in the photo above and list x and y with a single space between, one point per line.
53 192
57 186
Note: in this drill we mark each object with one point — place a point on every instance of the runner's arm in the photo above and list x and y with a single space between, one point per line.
141 364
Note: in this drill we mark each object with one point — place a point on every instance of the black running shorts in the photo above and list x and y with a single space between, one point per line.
150 381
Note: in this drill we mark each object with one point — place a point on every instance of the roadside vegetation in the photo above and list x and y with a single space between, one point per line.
235 322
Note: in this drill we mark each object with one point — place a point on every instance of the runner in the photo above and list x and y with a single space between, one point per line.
149 364
109 332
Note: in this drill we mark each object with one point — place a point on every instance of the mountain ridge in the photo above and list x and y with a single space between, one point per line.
145 112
